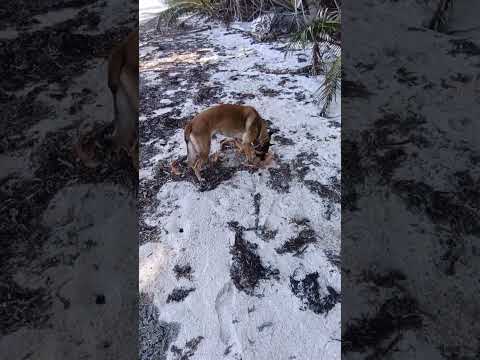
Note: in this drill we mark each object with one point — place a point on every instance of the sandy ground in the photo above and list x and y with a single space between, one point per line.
58 300
413 176
245 266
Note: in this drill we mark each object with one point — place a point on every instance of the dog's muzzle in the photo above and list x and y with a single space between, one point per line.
262 149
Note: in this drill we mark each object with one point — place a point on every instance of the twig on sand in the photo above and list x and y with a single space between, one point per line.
65 162
208 27
304 70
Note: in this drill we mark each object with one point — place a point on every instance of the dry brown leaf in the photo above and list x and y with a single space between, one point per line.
174 168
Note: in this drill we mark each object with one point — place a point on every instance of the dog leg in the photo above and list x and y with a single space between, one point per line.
197 167
252 160
239 146
249 152
198 175
247 139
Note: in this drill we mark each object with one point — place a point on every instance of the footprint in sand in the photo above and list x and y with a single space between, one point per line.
223 307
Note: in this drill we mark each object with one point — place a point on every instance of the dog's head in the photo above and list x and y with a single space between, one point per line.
262 144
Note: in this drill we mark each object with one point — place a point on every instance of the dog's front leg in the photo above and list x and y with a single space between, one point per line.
196 170
239 145
249 152
197 167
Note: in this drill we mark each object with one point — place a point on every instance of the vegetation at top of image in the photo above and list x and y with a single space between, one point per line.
323 31
309 23
229 10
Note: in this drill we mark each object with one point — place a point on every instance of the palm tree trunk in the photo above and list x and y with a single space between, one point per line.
439 19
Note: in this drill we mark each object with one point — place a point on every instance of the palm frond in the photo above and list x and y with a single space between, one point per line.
323 34
331 84
177 8
322 29
170 16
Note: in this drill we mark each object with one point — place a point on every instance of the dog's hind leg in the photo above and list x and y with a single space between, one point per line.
201 158
191 154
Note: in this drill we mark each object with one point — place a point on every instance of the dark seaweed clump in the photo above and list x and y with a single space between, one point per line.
154 336
247 268
21 306
179 294
371 333
308 290
280 178
188 351
299 243
184 271
333 258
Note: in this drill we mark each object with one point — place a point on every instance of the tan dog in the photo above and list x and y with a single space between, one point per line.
123 83
234 121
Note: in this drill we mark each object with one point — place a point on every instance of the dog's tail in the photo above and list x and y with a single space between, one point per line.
186 132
